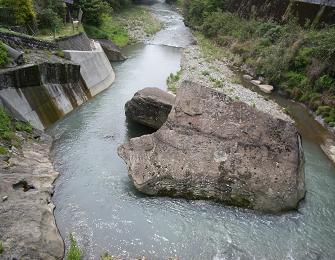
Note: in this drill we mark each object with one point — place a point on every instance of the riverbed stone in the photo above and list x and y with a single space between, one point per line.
256 82
219 148
266 88
247 77
150 107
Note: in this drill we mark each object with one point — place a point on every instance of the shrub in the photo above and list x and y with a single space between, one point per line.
303 58
94 32
3 55
325 82
5 125
295 79
49 19
23 10
93 11
23 126
323 110
74 252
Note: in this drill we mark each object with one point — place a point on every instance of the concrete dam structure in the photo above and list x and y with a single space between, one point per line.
43 93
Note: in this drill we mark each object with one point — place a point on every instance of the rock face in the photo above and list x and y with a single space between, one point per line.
27 225
215 147
113 52
150 107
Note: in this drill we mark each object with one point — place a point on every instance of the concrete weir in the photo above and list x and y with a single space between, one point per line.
43 93
95 67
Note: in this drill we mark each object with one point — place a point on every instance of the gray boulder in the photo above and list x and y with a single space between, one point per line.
112 52
150 107
216 147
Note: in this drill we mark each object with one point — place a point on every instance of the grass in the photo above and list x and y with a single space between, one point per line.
74 252
8 129
298 60
172 81
64 31
117 27
1 248
3 150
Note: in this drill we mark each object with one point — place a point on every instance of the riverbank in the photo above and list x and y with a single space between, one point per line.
27 175
131 25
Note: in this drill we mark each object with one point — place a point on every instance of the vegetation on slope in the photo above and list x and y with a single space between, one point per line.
299 60
3 55
117 26
8 131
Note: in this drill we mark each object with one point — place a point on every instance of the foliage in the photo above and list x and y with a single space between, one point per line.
172 81
48 18
3 150
23 10
74 252
93 11
3 55
114 27
299 60
5 125
50 14
24 127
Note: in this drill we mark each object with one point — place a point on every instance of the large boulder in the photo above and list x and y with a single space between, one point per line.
112 52
150 107
216 147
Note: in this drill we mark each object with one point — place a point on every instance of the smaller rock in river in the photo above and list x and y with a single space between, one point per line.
150 107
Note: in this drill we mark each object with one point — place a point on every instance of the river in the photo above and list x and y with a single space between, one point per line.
96 201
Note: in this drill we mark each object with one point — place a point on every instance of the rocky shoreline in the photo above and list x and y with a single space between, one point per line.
28 229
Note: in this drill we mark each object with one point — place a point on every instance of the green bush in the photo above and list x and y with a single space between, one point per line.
74 252
49 19
5 125
22 10
323 110
94 32
3 55
325 83
24 127
93 11
303 58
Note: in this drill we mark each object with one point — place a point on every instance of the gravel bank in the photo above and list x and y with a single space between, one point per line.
216 74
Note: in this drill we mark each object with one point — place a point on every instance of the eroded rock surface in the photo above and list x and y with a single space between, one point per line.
150 107
216 147
27 225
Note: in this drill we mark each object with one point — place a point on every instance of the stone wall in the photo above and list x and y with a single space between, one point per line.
20 41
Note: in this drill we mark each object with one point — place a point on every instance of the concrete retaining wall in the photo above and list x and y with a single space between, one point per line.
78 42
42 94
95 68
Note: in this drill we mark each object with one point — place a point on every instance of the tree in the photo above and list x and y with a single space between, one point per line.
23 10
93 11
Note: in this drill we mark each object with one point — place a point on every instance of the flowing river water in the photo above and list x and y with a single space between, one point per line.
96 201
